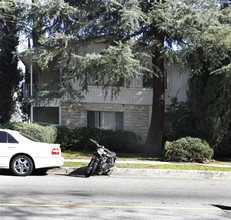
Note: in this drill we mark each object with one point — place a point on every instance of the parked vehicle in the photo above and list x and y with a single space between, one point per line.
23 155
102 161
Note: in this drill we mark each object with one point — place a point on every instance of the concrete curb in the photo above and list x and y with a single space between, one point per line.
155 173
173 173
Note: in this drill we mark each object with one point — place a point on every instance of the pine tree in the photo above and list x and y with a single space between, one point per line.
210 86
9 75
135 32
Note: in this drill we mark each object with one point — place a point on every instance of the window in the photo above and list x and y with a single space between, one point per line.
11 139
6 138
46 115
29 138
3 137
106 120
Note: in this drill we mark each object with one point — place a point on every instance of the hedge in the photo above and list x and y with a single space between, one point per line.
77 139
40 132
188 149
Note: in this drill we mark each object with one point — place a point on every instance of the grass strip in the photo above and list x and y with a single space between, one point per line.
120 156
157 166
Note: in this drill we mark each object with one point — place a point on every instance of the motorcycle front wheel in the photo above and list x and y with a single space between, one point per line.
91 168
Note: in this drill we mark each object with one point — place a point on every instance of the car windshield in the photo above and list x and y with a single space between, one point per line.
29 138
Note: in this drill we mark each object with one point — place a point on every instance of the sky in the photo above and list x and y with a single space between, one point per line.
22 47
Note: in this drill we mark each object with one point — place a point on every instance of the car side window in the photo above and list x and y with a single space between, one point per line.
11 139
3 137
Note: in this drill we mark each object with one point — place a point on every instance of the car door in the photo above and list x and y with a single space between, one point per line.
7 147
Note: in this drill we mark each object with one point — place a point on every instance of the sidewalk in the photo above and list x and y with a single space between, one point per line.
155 173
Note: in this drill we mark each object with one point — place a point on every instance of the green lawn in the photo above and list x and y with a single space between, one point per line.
120 156
139 157
77 154
159 166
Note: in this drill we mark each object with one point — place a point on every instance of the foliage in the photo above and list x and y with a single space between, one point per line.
182 120
9 75
79 139
40 132
209 99
135 32
188 150
210 85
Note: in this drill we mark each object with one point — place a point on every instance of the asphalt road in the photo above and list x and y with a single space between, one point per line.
102 197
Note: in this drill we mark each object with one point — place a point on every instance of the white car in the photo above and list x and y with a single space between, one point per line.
23 155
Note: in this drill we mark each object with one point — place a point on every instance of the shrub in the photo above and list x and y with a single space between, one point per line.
76 139
188 150
79 139
182 120
40 132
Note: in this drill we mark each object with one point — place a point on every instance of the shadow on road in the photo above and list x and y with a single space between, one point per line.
4 172
79 172
223 207
39 172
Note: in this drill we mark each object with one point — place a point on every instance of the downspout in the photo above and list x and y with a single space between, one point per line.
31 90
31 79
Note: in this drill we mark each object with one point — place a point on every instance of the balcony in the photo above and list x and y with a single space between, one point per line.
139 96
27 89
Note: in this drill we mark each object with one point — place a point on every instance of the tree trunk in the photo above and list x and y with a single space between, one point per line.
153 145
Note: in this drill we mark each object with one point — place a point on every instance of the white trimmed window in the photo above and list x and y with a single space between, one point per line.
105 120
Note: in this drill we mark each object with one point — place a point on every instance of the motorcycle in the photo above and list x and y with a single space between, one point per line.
102 161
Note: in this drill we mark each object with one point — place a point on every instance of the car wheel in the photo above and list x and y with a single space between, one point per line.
22 165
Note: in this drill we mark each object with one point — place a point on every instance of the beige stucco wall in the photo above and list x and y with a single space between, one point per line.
136 117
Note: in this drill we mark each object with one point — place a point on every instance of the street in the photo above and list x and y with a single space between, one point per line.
103 197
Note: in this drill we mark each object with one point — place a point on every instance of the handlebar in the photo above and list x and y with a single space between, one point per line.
96 142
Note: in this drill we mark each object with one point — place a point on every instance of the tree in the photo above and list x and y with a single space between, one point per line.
135 32
210 102
210 87
9 75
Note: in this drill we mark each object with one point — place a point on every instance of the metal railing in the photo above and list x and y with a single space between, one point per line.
27 89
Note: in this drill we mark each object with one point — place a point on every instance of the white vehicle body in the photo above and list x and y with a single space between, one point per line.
13 144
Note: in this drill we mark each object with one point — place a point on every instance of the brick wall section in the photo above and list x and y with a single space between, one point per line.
136 117
73 115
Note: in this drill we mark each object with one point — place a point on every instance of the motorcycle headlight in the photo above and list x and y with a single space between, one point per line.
100 151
